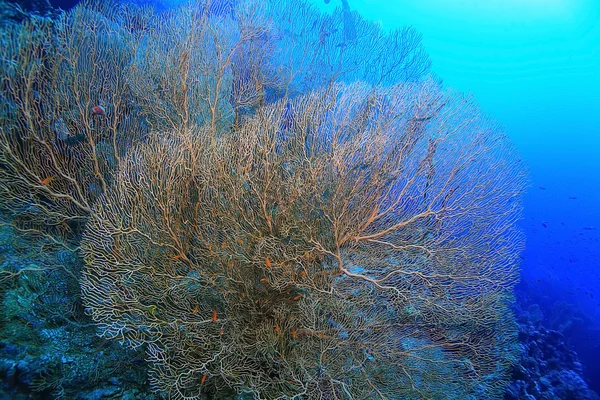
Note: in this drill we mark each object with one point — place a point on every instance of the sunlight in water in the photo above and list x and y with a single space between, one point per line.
545 15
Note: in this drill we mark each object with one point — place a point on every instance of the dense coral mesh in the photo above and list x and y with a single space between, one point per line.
361 253
274 201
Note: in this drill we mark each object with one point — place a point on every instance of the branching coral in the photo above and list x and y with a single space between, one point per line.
363 247
275 201
56 156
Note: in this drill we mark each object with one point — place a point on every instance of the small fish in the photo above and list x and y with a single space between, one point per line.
221 332
541 187
264 280
276 328
268 262
544 225
195 310
572 198
294 334
203 379
47 180
214 317
297 297
99 110
303 273
177 257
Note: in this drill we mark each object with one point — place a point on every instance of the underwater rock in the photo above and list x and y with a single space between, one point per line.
48 348
548 368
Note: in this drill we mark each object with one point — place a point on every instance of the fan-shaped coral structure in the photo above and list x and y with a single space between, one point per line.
365 250
268 200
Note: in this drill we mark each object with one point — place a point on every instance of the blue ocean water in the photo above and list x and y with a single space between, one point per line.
533 67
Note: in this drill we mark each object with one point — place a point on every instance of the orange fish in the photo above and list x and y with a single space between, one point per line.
295 334
177 257
214 318
264 280
303 273
297 297
99 110
195 310
276 328
47 180
203 379
221 332
268 262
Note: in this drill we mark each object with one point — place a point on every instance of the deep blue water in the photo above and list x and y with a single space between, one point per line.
534 66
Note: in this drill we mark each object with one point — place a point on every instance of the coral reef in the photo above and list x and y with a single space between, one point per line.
270 202
548 368
230 269
48 347
17 11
